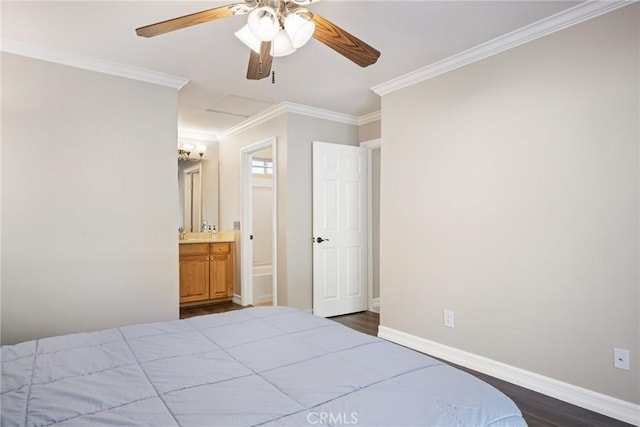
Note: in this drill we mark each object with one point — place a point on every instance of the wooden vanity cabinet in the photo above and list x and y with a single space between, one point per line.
206 272
220 271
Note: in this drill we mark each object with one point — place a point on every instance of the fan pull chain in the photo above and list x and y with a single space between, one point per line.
273 77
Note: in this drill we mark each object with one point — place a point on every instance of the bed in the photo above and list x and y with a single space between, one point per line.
267 366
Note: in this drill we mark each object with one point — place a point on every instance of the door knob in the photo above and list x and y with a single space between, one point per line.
320 240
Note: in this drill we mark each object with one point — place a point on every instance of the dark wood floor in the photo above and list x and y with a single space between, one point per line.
538 410
208 309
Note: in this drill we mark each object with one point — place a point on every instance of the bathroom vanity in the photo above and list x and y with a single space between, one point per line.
206 269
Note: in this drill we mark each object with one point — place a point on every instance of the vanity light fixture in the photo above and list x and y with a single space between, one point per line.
185 150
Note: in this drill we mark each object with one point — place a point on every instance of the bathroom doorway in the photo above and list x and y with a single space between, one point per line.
259 224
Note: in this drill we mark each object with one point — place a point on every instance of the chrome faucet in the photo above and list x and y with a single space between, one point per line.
205 226
181 233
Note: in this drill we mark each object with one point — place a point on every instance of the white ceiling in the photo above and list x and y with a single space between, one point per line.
409 34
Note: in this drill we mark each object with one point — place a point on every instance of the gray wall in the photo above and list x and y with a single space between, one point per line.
302 131
510 195
369 131
88 200
230 197
294 134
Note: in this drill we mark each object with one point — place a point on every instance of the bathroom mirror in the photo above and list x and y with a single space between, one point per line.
197 194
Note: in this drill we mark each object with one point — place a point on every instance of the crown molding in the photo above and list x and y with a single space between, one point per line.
318 113
368 118
89 63
255 120
290 108
567 18
197 135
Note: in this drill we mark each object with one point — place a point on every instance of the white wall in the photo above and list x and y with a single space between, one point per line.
88 200
510 195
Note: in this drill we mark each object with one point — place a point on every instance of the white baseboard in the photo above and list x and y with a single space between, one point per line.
237 299
591 400
374 305
262 299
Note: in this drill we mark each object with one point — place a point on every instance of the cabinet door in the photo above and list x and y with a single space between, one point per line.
194 278
221 275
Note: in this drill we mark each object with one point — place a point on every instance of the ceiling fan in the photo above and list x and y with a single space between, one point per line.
275 28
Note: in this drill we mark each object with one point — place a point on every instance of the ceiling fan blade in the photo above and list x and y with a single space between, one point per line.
186 21
344 43
260 63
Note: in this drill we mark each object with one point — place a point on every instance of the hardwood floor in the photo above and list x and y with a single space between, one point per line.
538 410
199 310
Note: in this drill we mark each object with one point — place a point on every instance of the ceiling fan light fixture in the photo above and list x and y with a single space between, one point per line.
263 23
299 29
246 36
281 45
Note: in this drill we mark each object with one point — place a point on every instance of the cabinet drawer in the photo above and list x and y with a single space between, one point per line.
220 248
194 249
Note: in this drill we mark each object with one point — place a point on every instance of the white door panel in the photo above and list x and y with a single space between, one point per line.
339 219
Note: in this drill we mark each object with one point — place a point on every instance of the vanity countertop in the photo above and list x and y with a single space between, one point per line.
223 236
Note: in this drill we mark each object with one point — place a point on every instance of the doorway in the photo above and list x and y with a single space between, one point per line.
258 229
374 157
346 224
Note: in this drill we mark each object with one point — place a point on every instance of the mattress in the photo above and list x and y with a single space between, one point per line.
268 366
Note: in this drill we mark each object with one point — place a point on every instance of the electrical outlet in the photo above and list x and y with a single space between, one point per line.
621 358
448 319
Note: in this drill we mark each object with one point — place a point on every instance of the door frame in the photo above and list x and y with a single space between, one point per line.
246 179
373 303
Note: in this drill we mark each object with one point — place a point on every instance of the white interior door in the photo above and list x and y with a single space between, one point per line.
339 229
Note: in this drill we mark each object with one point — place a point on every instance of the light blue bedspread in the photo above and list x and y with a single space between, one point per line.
271 366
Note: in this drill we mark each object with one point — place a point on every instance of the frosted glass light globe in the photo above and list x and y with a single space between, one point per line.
300 30
263 23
